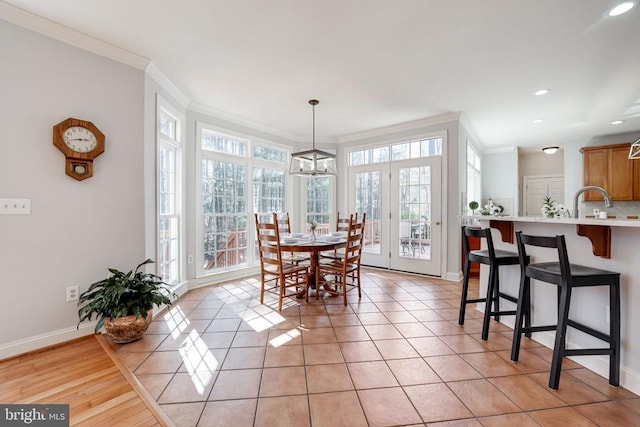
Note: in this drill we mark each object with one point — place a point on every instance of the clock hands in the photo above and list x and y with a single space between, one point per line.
80 139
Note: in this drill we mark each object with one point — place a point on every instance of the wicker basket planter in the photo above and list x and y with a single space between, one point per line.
121 296
128 328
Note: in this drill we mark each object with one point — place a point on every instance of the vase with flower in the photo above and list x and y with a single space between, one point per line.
313 225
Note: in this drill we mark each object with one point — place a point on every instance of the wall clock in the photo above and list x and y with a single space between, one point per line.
80 142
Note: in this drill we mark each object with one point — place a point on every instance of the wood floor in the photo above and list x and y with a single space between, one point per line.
83 374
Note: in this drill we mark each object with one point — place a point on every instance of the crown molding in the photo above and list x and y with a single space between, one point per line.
501 150
223 115
156 74
70 36
414 124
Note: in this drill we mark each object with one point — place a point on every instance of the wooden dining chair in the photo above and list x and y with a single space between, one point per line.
284 226
277 276
342 225
343 275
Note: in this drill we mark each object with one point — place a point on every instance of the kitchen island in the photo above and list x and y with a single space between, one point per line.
611 244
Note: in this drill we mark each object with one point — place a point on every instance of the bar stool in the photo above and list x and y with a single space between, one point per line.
566 276
494 259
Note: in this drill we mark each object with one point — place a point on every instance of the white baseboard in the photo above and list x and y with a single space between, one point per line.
25 345
453 276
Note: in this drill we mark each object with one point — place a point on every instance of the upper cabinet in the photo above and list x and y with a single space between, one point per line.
610 168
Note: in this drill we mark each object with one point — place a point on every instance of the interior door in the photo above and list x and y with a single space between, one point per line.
536 188
415 233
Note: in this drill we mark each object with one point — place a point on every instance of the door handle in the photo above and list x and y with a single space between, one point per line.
438 223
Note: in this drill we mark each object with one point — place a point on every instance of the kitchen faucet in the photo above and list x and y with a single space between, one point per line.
607 199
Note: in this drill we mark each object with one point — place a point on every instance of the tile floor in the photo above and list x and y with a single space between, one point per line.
395 357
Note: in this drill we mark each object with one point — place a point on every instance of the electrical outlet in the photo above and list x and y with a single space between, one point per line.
72 293
190 259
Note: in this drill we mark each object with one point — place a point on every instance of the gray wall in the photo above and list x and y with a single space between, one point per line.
76 228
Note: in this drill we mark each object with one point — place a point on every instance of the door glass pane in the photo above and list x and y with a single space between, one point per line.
368 201
415 212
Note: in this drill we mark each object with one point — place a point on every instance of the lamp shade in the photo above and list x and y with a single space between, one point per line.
313 162
634 151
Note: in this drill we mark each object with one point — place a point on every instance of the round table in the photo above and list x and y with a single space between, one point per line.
321 244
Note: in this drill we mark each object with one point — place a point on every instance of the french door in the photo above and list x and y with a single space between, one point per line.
402 200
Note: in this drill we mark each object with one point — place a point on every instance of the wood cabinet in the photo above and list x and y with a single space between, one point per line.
474 245
610 168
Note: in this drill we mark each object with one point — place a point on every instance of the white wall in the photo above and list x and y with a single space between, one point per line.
500 179
531 164
76 228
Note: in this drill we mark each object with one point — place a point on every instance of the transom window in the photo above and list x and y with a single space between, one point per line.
214 141
399 151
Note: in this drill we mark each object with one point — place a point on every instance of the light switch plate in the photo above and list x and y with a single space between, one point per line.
15 206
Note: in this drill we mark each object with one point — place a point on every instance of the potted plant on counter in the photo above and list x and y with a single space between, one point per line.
473 205
123 302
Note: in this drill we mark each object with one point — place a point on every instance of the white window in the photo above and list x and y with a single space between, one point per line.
474 177
169 194
239 176
399 151
319 203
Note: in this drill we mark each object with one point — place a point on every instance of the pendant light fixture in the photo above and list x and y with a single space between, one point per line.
313 162
634 151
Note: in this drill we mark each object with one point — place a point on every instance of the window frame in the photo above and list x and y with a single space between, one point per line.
176 145
251 163
476 166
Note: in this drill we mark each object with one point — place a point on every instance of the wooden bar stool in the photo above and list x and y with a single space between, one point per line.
494 259
566 276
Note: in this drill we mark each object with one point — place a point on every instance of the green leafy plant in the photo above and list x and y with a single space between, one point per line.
123 294
473 205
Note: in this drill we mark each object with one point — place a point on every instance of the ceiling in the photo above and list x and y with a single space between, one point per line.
378 63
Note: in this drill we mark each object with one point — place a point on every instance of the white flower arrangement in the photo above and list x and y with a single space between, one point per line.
495 210
553 209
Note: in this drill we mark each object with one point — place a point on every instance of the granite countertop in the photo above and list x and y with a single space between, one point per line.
613 222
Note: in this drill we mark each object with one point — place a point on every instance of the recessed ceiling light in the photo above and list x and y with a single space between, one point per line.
623 7
617 122
538 121
541 92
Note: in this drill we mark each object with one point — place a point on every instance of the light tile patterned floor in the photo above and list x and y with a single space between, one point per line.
395 357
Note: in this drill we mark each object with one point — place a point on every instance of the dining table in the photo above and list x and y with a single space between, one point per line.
314 247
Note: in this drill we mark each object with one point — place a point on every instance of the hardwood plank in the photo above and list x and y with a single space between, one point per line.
84 374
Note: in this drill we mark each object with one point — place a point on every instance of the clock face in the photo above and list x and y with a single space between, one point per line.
79 139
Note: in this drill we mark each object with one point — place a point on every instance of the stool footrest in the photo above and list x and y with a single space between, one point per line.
508 297
587 351
470 301
587 330
539 328
500 313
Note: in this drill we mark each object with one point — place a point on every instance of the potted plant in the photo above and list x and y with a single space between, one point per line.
123 302
473 205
